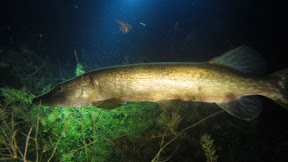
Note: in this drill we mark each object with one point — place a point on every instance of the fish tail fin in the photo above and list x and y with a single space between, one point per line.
249 107
281 79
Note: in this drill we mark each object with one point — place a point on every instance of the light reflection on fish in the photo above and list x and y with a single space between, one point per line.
228 81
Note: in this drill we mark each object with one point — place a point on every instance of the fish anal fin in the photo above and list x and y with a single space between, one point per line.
112 103
246 107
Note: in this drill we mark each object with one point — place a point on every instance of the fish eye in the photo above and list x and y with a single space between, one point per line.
60 88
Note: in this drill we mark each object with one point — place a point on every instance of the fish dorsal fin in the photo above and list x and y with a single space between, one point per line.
246 108
112 103
243 59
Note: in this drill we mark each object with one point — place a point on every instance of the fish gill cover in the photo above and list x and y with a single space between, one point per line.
37 43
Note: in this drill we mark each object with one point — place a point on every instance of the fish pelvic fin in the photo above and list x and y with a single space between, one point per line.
281 78
243 59
246 107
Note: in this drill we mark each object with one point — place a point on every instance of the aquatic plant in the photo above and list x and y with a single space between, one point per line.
171 121
15 137
79 70
162 145
208 148
101 132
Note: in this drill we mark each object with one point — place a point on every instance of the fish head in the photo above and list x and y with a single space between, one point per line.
73 93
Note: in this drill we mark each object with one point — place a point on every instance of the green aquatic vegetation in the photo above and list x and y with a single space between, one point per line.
163 146
171 121
95 130
18 102
208 148
21 136
12 95
79 70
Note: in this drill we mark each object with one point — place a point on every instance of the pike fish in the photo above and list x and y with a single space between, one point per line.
233 81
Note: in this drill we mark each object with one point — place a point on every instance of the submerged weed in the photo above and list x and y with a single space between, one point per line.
208 148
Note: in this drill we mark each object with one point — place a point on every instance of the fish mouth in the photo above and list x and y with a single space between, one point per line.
48 101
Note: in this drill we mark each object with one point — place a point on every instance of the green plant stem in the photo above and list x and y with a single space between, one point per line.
78 150
14 146
94 130
55 147
36 136
208 149
202 120
27 142
6 124
83 134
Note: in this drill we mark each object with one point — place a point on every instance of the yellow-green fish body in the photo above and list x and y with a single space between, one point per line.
204 82
232 87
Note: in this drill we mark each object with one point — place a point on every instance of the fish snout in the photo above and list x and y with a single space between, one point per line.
47 100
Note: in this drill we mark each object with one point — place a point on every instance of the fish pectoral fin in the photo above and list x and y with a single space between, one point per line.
112 103
171 106
246 107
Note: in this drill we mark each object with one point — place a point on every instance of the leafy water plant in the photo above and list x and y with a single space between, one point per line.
20 136
79 70
208 148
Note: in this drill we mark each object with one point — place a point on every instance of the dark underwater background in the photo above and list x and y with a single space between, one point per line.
38 42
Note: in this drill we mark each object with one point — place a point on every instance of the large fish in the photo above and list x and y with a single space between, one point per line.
230 81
